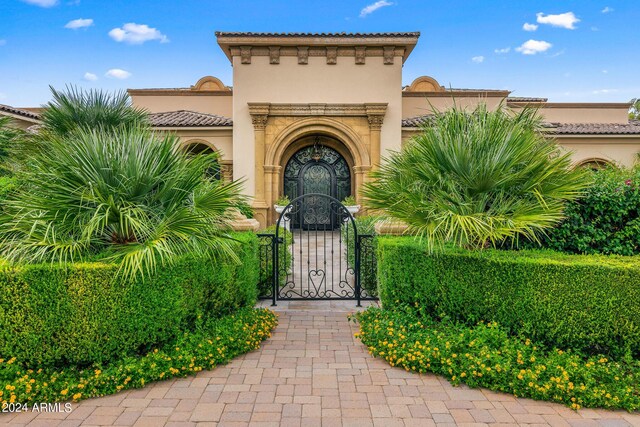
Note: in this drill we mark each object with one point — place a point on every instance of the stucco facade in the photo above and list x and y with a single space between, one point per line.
341 93
290 89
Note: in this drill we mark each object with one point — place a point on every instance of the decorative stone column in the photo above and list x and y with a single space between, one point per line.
226 170
391 227
271 190
259 116
375 115
360 178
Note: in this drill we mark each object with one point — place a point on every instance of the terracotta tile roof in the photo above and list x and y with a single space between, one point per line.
459 89
631 128
525 99
19 112
417 121
343 34
594 128
185 118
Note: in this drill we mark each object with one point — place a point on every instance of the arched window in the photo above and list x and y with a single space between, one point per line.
198 147
594 164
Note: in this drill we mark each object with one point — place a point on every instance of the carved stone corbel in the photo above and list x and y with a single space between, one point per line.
360 54
303 55
274 55
332 55
245 54
388 55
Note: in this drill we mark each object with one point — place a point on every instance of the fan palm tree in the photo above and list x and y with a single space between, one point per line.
475 178
75 108
125 192
9 138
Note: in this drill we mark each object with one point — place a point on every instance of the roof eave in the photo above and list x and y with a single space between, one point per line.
228 40
21 117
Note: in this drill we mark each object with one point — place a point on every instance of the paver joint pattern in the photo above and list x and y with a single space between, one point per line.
313 372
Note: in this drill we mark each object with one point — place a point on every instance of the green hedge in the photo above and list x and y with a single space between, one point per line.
56 316
587 303
605 220
265 283
365 225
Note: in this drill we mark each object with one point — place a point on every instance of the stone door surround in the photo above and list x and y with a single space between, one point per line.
277 126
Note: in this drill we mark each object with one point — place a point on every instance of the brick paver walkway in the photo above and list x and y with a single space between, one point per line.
313 372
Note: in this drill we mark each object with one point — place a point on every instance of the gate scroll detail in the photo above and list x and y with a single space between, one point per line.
316 254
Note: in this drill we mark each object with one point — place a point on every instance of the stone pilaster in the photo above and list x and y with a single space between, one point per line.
375 116
259 116
271 178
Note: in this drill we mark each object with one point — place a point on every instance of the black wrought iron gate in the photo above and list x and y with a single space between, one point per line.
316 253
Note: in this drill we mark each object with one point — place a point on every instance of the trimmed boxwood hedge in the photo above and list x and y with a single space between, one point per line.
82 314
588 303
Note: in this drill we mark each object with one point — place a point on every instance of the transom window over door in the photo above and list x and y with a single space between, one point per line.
317 169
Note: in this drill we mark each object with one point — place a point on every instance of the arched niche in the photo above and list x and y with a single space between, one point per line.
209 83
425 84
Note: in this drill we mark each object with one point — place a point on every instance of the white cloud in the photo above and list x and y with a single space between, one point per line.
604 91
563 20
503 50
42 3
529 27
605 71
531 47
117 73
608 9
595 29
133 33
3 42
90 77
478 59
373 7
79 23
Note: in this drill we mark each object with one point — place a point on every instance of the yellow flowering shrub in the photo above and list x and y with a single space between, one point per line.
485 355
214 342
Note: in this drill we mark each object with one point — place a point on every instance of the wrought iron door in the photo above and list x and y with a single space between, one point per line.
316 178
320 170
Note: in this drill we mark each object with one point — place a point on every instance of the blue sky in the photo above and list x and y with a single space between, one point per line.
571 50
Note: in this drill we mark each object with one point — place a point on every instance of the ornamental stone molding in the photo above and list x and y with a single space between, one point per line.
332 53
369 110
332 46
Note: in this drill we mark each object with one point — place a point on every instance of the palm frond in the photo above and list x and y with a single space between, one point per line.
478 177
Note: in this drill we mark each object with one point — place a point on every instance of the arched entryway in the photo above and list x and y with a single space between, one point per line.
317 169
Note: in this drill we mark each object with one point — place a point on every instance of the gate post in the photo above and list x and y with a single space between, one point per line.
274 268
358 289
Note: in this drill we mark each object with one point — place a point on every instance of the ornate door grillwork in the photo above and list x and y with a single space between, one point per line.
320 170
